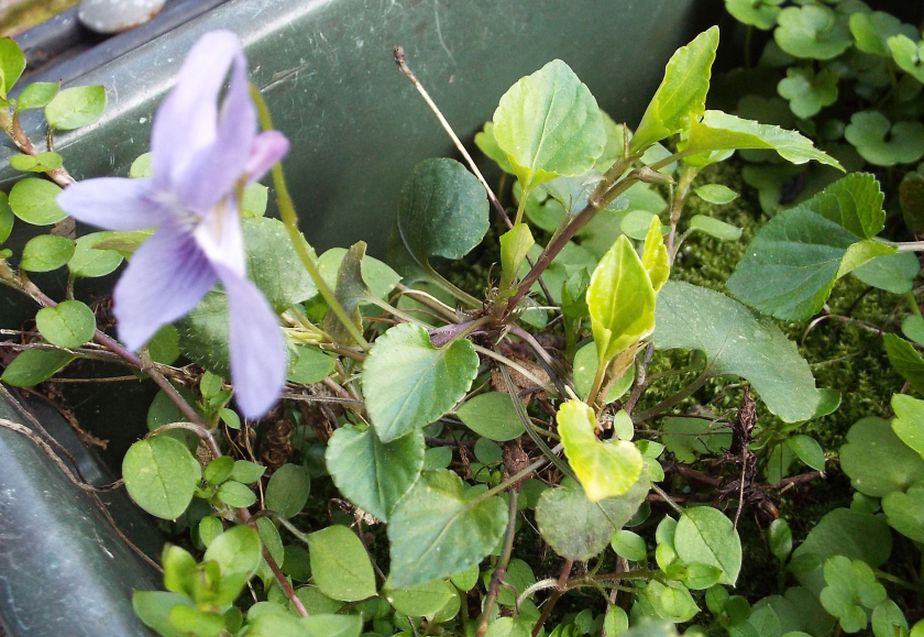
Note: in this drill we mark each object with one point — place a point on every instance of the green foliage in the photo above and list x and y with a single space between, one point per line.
604 469
548 125
69 324
76 107
442 527
33 201
161 476
34 366
339 564
287 490
737 343
681 96
409 383
564 508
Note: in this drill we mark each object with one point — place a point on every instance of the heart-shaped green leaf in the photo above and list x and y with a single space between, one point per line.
408 383
604 468
872 31
758 13
564 508
908 55
681 95
440 528
76 107
905 359
621 301
908 423
374 475
882 143
812 31
549 125
877 461
905 512
491 415
808 92
443 210
69 324
736 343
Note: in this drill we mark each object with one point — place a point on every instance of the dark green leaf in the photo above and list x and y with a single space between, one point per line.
563 509
351 291
372 474
491 415
705 535
34 366
309 365
340 565
736 343
443 210
439 529
287 491
905 359
273 265
894 273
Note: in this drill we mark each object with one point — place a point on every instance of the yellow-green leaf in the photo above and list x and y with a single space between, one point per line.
514 246
682 93
604 469
549 125
654 255
621 300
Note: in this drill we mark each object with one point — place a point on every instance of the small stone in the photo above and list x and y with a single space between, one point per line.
115 16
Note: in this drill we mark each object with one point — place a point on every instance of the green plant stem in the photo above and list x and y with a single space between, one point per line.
519 475
907 246
913 304
450 287
290 219
501 569
898 581
676 399
598 381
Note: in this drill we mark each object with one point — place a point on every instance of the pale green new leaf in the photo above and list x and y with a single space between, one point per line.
908 423
854 202
604 468
549 125
681 96
621 300
514 247
736 343
654 255
408 383
720 131
441 528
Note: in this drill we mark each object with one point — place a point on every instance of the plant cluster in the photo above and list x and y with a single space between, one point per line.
570 450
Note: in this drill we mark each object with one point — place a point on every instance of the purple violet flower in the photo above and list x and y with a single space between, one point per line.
201 156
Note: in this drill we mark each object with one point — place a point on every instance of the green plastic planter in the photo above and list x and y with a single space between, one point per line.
357 128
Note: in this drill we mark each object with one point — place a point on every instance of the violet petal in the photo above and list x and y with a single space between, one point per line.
268 148
113 203
164 280
258 356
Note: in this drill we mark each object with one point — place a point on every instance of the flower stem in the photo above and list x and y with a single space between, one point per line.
501 570
290 219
